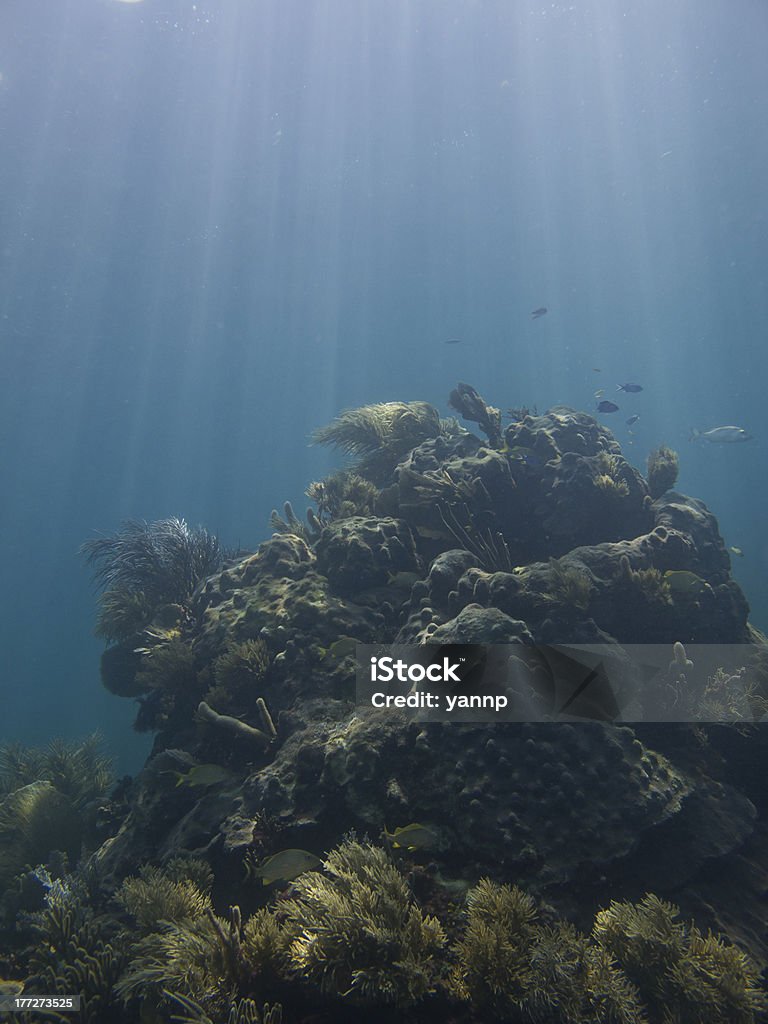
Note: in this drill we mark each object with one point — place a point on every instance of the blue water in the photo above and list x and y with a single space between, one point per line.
221 223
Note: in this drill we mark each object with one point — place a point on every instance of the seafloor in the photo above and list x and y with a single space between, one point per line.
573 872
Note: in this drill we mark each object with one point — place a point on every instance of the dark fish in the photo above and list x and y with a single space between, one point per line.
632 389
607 407
454 341
538 312
632 419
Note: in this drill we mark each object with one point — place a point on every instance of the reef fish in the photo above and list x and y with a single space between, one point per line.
632 389
536 313
412 837
203 775
607 406
632 419
681 581
285 865
721 435
339 649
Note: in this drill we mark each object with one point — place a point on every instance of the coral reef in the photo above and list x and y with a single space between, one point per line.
539 533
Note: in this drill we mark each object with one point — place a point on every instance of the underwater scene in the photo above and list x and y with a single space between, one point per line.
383 420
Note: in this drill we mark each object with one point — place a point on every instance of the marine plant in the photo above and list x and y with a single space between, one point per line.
166 894
488 546
493 966
146 565
663 468
49 798
194 956
76 951
243 1011
236 673
649 584
682 974
79 770
343 494
568 585
380 435
610 480
356 931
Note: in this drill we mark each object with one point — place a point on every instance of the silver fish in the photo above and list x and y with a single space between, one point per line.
721 435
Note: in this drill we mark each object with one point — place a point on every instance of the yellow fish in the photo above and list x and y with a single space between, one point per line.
285 865
681 581
411 837
203 775
339 649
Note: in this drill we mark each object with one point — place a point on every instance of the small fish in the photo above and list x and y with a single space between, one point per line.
600 392
538 312
596 369
453 341
632 419
518 453
632 389
681 581
412 837
340 649
202 775
285 865
721 435
736 551
607 406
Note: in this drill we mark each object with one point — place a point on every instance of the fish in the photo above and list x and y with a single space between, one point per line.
411 837
285 865
518 453
596 369
340 649
721 435
536 313
681 581
600 392
203 775
453 341
736 551
632 389
632 419
607 406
